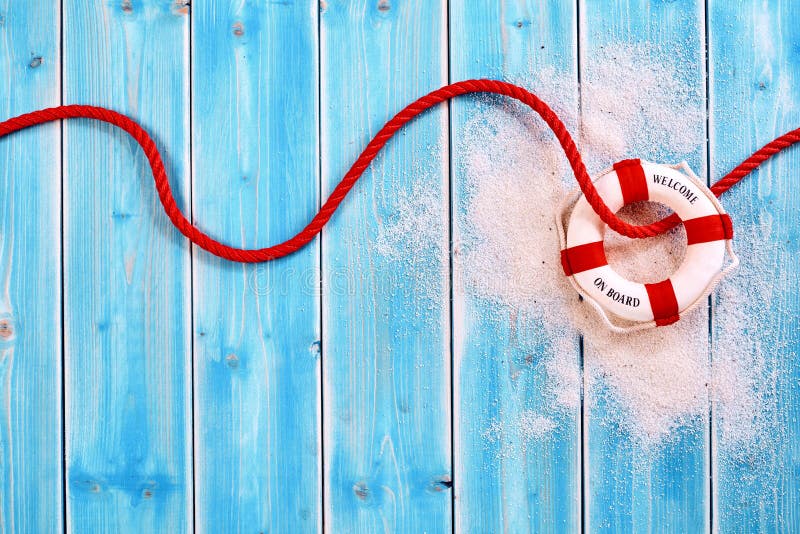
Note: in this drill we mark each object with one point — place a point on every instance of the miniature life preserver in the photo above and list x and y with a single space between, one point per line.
708 234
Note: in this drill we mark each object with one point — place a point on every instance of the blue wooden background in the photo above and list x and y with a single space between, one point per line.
146 385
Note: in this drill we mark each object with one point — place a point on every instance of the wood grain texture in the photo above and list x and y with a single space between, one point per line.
628 489
126 273
260 108
755 87
386 331
514 483
30 275
256 327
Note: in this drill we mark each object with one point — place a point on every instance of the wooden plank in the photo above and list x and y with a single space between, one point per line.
386 369
631 487
257 327
755 88
509 481
126 273
30 275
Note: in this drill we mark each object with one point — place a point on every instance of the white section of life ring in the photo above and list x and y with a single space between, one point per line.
678 188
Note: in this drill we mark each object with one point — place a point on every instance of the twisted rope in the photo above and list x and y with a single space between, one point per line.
362 162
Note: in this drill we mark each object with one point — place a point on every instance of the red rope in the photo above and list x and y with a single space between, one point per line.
389 129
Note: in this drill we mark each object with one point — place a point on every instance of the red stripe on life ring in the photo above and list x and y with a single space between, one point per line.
709 228
632 180
663 302
583 258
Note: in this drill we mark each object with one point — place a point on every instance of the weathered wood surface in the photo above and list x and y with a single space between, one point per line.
256 327
127 298
513 483
626 489
348 388
31 460
754 51
385 312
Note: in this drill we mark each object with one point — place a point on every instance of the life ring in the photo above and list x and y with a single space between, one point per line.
709 232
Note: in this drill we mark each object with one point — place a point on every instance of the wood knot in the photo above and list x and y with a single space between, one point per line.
6 329
361 490
442 483
238 29
36 61
181 7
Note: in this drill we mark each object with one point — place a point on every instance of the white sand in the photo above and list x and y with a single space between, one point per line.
655 384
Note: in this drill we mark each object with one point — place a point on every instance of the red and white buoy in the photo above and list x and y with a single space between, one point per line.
627 305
